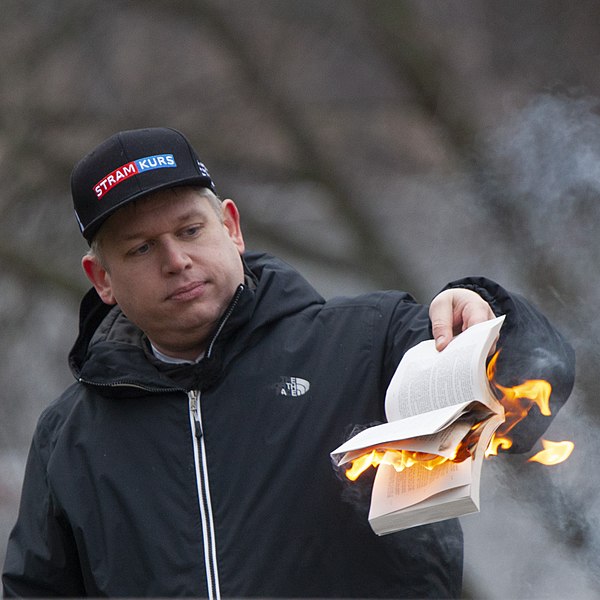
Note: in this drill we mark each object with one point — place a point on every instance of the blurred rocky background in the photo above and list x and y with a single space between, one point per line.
372 144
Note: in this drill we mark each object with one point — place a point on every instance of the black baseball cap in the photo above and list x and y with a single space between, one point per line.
128 166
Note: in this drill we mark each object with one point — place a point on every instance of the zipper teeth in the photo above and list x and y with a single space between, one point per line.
225 319
210 551
210 555
131 384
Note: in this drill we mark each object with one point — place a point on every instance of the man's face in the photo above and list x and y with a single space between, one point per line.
172 264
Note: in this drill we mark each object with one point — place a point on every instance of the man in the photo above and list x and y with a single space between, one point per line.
191 456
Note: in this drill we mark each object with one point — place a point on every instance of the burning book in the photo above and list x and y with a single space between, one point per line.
443 416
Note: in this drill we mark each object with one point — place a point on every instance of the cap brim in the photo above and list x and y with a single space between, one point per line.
94 226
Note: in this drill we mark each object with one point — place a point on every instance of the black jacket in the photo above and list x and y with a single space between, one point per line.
131 491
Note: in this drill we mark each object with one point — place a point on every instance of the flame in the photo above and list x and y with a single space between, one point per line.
496 444
553 452
399 459
517 402
362 463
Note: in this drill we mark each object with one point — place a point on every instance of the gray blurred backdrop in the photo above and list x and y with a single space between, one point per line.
371 143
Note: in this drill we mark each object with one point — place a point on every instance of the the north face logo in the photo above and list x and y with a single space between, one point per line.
292 386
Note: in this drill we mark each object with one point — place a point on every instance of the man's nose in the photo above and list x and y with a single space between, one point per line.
175 258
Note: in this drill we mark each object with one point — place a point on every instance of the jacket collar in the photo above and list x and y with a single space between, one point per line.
109 350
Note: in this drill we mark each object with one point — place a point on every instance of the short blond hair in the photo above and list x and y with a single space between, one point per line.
95 250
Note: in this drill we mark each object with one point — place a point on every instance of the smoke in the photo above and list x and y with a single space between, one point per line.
557 508
549 153
541 175
541 185
357 493
540 182
553 145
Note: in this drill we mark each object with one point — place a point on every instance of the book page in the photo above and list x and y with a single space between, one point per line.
412 427
443 443
428 380
447 504
394 490
414 497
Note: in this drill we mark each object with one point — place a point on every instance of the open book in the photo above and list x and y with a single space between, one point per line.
436 403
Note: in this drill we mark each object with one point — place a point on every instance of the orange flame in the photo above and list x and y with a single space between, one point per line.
399 459
517 402
553 452
362 463
497 443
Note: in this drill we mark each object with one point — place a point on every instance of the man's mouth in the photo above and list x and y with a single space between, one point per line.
187 292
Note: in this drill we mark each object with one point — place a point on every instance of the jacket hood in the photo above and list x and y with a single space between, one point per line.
109 350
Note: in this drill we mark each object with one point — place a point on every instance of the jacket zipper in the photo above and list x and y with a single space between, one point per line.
201 464
204 502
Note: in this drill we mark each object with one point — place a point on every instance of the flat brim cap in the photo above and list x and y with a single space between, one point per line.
128 166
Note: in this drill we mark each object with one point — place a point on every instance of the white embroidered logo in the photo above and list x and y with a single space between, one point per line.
292 386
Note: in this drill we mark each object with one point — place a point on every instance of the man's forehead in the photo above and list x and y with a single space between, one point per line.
140 216
171 198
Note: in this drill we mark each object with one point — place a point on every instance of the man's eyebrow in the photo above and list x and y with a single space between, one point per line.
136 235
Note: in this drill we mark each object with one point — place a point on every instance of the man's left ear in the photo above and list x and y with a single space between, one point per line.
231 220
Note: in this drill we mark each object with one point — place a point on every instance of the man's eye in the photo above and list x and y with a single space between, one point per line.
191 231
140 250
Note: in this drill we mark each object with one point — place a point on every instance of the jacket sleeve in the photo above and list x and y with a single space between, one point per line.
530 348
41 558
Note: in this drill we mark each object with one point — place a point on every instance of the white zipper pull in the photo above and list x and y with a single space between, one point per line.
193 396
